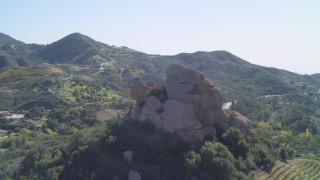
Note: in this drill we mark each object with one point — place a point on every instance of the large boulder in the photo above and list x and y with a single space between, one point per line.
135 112
140 91
241 122
193 88
134 175
127 155
151 111
179 117
122 117
188 105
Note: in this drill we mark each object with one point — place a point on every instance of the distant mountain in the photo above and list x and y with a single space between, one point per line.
316 77
74 48
5 39
14 53
233 75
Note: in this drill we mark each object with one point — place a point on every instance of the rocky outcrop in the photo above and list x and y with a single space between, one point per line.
140 91
192 87
179 117
135 112
151 111
241 122
127 155
134 175
188 104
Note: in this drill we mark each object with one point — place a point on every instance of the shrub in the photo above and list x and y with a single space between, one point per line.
236 142
286 153
217 160
192 161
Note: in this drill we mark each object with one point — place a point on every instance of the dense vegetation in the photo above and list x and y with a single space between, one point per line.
292 120
96 153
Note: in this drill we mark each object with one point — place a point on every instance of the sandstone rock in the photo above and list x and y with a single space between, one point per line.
185 75
188 105
177 90
134 175
193 88
241 122
135 112
139 91
162 90
210 131
127 155
179 117
151 111
121 117
224 121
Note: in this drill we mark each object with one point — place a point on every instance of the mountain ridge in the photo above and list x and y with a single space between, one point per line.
231 73
4 39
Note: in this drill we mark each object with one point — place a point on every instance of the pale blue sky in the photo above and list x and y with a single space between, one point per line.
276 33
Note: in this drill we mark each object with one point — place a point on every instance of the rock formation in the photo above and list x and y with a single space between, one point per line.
188 105
241 122
127 155
134 175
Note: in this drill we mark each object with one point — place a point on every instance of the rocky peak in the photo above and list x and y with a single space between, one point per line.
188 104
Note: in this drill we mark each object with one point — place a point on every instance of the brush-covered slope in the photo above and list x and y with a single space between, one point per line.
4 39
74 48
15 53
233 75
316 77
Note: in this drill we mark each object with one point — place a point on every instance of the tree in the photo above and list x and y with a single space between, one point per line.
36 112
236 142
192 161
286 153
217 160
263 159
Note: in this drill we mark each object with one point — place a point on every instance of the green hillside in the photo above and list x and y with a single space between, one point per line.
4 39
74 48
316 77
14 53
232 75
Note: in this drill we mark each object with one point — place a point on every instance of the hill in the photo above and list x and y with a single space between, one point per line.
4 39
74 48
14 53
233 75
316 77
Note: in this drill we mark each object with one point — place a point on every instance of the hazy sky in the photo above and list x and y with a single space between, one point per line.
277 33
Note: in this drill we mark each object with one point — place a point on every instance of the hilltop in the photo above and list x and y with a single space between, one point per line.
74 48
5 39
